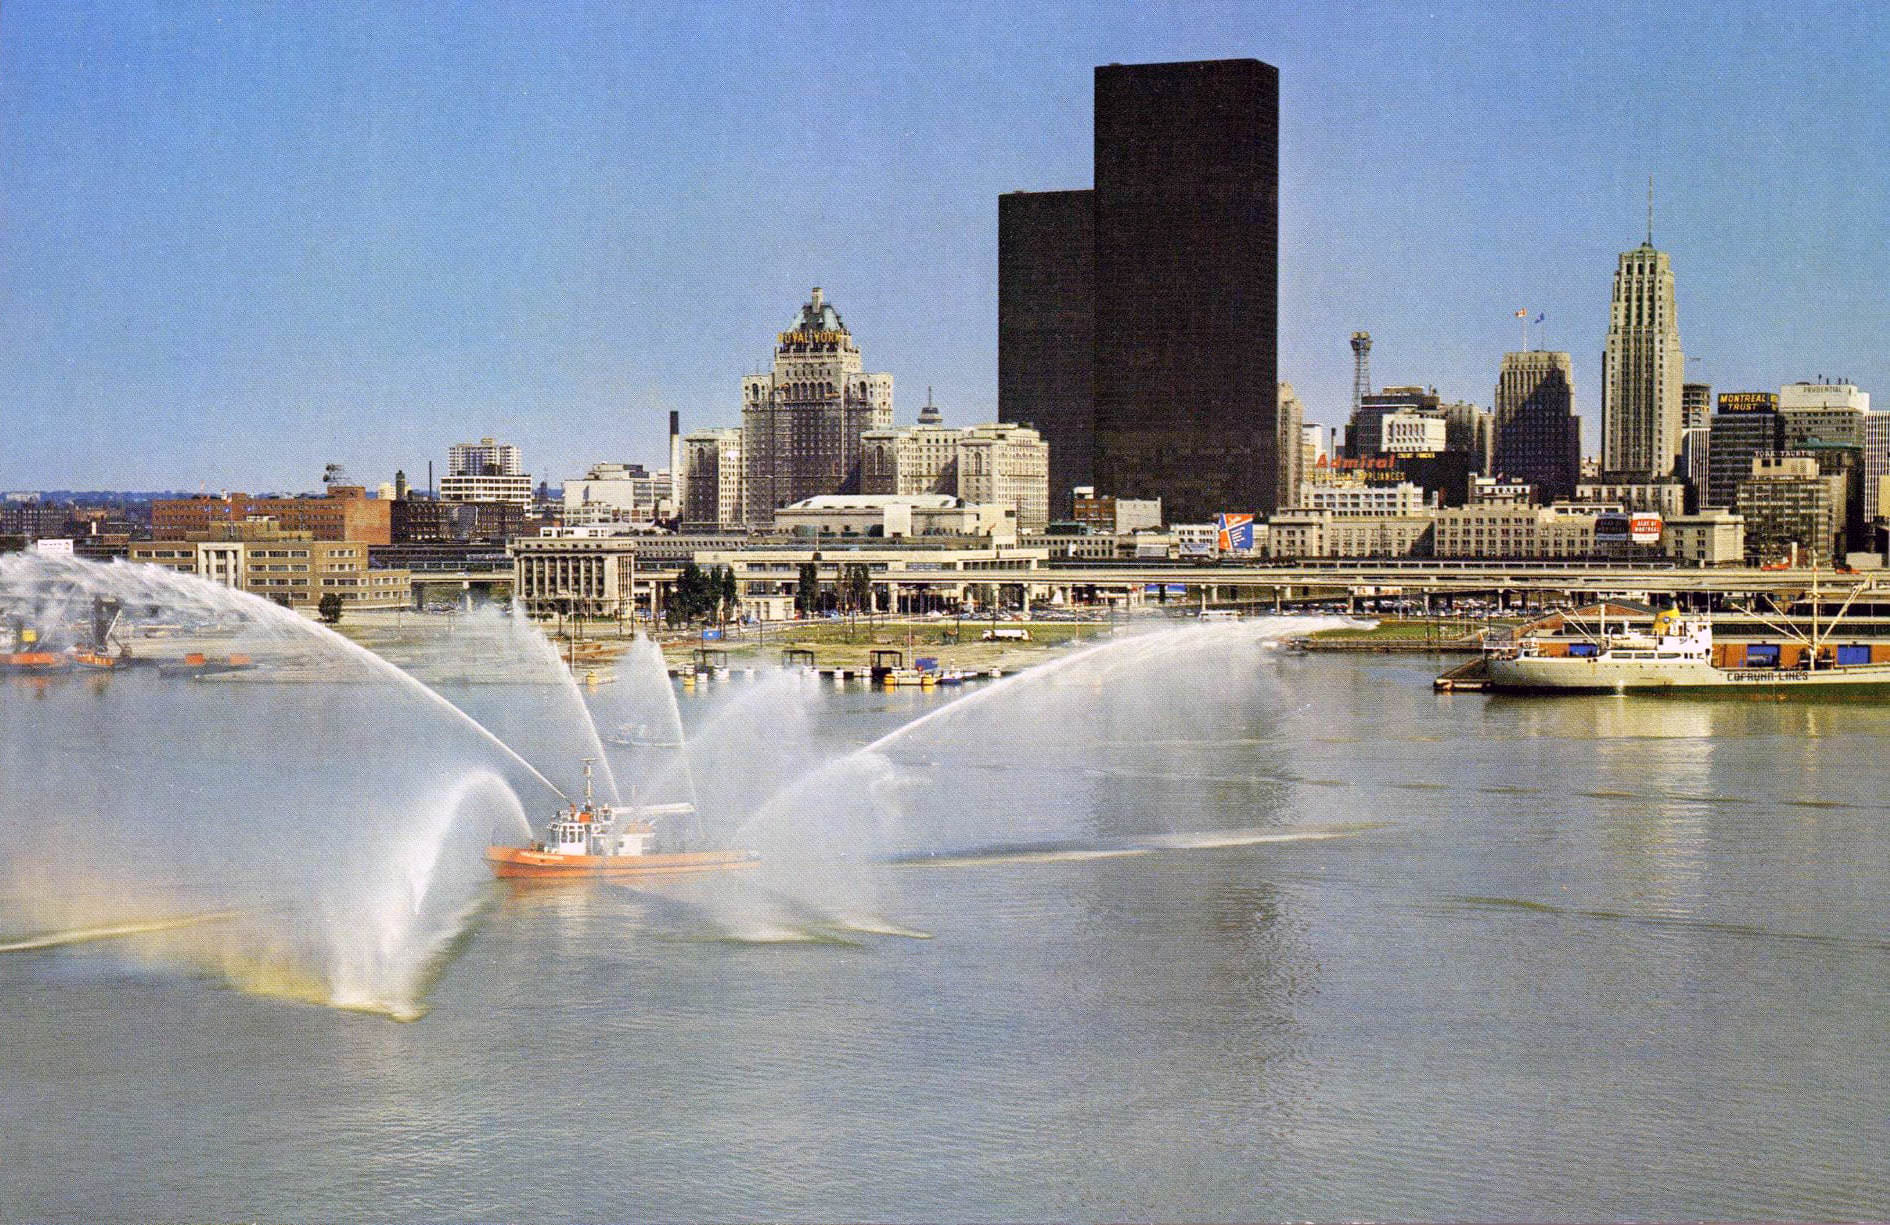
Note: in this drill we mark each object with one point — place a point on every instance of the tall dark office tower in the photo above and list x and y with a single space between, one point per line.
1047 328
1187 284
1183 369
1538 435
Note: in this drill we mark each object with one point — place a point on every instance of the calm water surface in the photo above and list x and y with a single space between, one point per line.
1595 958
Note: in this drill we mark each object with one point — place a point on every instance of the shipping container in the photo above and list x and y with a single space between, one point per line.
1729 654
1762 655
1583 650
1851 656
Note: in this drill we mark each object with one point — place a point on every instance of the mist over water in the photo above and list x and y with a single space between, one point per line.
329 807
325 806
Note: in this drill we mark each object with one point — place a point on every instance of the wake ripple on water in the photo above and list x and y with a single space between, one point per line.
1667 922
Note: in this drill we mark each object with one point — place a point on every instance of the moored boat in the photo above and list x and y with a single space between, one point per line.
589 841
1678 654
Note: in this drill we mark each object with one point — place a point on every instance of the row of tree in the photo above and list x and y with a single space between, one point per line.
702 595
852 593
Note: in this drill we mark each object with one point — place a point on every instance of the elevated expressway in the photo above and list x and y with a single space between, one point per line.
1285 586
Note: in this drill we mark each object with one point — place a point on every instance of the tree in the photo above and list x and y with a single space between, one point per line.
329 608
730 593
807 591
856 584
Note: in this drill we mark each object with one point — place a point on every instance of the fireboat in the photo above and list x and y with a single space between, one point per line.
586 841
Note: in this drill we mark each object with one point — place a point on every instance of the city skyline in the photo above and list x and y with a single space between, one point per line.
240 246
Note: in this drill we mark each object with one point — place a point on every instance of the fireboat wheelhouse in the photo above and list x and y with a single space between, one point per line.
589 840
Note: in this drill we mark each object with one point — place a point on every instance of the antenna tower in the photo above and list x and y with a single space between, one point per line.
1361 368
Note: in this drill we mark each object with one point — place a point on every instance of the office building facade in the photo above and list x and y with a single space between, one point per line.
802 421
1538 435
1642 368
1183 293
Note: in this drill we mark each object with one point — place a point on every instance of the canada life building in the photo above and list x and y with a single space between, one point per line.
1137 322
1642 368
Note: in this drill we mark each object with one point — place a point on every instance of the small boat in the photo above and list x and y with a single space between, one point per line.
641 736
589 841
101 661
35 661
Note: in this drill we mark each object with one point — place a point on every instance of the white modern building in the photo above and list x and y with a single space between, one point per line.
617 493
1355 499
486 471
1410 432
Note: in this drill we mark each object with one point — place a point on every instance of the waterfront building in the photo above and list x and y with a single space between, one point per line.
1359 498
424 521
489 487
485 471
1789 511
591 577
998 462
1295 534
1710 538
1513 532
1538 435
1696 405
1472 430
1747 425
1292 451
1842 466
897 515
1182 233
1876 463
1696 443
1006 465
1112 515
345 512
618 493
1365 432
1408 432
802 421
287 567
1642 368
1501 491
712 488
1312 450
914 574
1666 498
487 457
1823 412
909 460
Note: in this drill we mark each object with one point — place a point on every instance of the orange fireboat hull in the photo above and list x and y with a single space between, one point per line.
519 863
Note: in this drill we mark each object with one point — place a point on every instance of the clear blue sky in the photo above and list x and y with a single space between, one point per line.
240 240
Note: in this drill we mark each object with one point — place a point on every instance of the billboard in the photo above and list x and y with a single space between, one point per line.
1641 527
1748 401
1236 533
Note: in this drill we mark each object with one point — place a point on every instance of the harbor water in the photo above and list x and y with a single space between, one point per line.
1304 942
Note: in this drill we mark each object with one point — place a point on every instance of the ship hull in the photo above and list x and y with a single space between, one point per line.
519 863
1601 675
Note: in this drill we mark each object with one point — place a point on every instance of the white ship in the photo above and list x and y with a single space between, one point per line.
1677 655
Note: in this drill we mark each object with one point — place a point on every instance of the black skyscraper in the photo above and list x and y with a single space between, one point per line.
1047 328
1184 297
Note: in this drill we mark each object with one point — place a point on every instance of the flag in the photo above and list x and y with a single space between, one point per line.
1523 313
